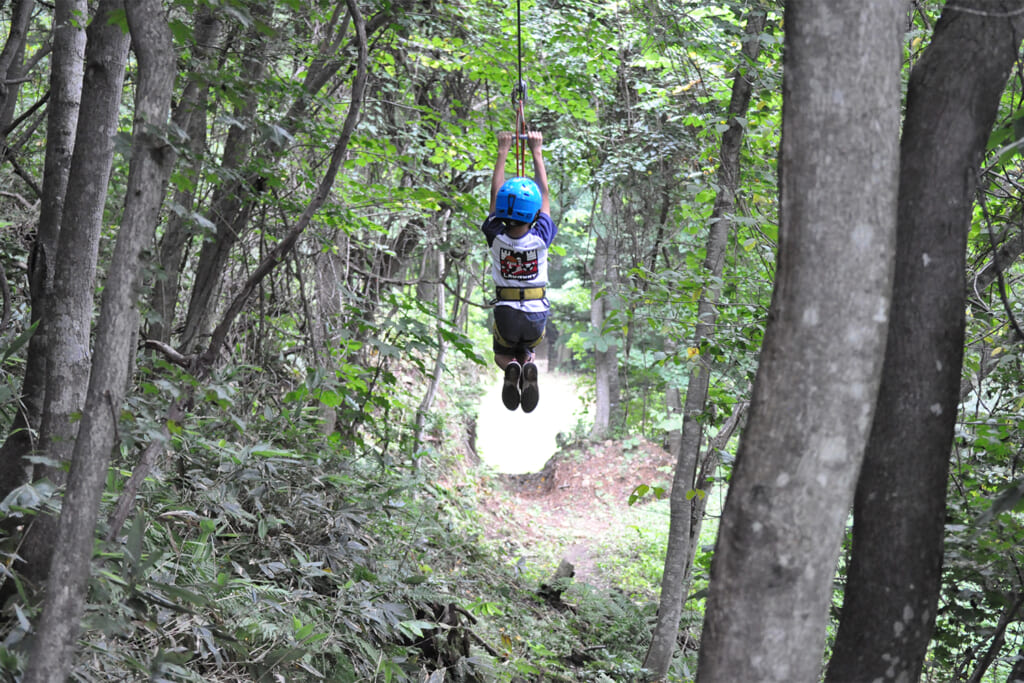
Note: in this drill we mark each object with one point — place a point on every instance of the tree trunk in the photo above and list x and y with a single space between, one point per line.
71 307
201 364
190 116
150 167
1017 673
663 639
894 576
206 360
435 272
704 483
12 59
1008 616
234 202
674 408
601 304
817 381
605 354
66 69
230 208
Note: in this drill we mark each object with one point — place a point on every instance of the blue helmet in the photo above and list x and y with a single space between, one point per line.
518 200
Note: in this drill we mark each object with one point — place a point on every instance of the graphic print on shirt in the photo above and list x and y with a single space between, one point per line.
518 265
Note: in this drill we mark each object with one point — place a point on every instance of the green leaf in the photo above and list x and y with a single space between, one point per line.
415 579
416 627
19 342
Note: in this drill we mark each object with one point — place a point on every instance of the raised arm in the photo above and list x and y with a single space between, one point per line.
536 142
498 177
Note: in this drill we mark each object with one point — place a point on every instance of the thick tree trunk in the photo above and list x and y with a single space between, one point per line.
70 310
663 639
895 573
66 70
817 381
150 167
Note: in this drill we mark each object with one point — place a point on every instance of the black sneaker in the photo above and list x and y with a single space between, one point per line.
531 394
510 388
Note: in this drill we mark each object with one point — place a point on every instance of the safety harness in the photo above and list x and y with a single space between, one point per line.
520 293
509 345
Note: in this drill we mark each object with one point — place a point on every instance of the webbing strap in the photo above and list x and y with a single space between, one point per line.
520 140
520 293
509 345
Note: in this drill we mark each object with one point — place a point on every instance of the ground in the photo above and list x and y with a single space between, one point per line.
551 503
576 502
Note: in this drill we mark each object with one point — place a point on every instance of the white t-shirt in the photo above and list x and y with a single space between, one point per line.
520 262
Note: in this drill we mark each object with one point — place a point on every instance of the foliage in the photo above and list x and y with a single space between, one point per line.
296 525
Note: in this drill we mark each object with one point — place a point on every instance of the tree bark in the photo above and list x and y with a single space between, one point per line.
601 304
1017 672
233 206
66 71
894 576
150 168
436 274
670 606
190 116
205 361
1008 616
12 63
817 381
71 306
230 208
704 483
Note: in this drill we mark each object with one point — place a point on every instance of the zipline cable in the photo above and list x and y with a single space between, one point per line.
518 98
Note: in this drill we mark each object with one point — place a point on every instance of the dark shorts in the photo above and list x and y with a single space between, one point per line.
515 331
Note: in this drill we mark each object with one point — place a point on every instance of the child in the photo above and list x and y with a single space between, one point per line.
519 231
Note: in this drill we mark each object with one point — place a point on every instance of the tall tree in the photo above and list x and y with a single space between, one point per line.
71 307
190 116
231 206
12 66
603 307
66 71
895 571
678 554
816 384
150 167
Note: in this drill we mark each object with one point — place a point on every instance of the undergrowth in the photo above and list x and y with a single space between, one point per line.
262 549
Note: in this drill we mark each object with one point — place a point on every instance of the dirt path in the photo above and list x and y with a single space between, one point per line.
518 442
564 501
574 504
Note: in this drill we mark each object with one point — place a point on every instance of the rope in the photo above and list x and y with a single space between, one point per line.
519 43
520 140
518 98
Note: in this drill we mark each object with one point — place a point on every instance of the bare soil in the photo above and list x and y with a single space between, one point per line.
559 503
578 499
